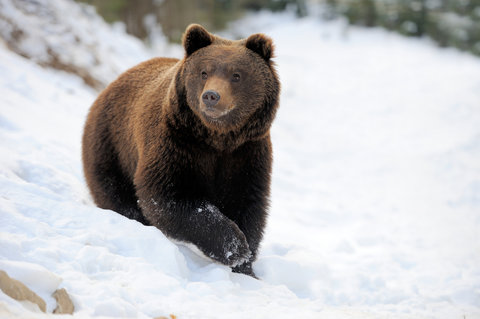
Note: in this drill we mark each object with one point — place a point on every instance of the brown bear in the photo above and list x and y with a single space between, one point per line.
184 145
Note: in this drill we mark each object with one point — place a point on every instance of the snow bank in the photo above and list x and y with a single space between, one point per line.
69 36
374 197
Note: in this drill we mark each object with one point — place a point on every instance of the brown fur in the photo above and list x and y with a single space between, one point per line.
153 151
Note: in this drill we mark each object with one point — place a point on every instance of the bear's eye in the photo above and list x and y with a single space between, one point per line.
236 77
204 75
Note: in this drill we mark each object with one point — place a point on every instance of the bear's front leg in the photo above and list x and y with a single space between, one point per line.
197 222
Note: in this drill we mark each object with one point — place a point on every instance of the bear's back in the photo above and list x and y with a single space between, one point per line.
147 74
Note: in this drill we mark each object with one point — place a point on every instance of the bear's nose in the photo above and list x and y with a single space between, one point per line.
210 98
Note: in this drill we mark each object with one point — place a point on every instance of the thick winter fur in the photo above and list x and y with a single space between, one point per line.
154 151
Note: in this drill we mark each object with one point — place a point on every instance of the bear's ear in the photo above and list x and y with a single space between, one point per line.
196 37
260 44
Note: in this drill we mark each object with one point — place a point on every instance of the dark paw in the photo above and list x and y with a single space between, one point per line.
221 239
246 269
236 250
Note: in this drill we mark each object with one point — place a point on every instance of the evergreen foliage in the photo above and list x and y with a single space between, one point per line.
448 22
175 15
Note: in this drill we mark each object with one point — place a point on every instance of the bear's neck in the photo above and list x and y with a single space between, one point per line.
187 129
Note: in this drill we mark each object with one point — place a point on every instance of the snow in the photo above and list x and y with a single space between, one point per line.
67 35
375 208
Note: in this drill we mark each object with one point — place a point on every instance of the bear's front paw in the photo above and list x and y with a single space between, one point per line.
246 269
221 239
236 250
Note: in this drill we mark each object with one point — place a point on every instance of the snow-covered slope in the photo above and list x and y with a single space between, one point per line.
68 36
375 198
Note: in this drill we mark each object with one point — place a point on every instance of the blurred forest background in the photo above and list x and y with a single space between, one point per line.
450 23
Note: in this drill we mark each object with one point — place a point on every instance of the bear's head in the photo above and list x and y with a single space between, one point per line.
230 84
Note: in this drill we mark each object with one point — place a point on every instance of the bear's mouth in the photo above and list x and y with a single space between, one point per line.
215 114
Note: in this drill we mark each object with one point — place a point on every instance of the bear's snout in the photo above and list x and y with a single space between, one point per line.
210 98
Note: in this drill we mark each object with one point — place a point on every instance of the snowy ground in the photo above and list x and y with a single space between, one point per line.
375 198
